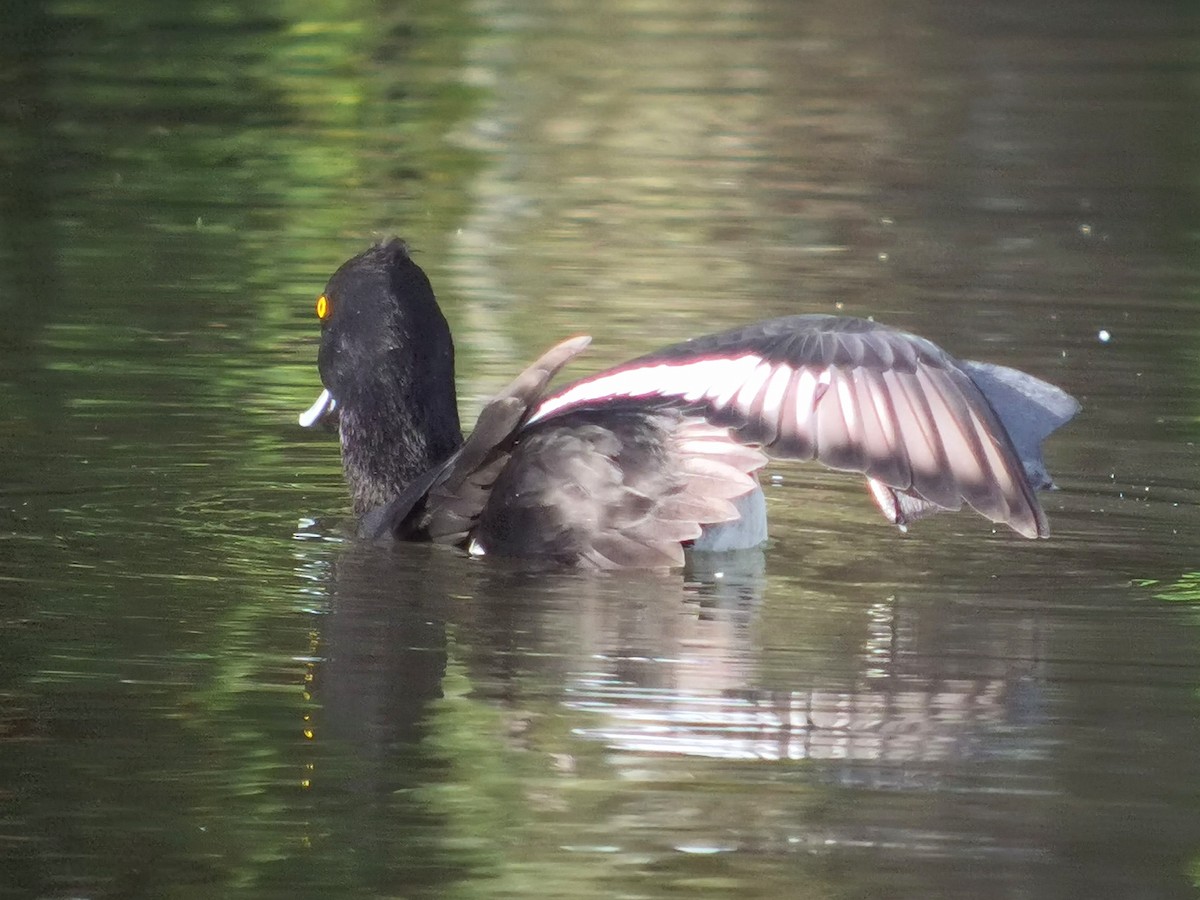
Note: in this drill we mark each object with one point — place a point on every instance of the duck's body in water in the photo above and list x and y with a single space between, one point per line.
630 466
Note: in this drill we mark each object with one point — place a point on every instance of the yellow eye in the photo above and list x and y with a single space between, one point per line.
324 307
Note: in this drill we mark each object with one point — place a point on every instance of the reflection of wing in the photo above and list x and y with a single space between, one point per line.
860 397
662 683
926 721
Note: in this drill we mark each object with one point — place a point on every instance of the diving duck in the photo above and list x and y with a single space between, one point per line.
630 466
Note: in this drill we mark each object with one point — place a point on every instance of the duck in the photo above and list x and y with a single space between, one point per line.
634 465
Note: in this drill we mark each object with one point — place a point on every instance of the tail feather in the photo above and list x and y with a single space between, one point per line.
1030 410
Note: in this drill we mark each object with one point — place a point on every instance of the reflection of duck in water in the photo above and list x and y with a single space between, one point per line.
629 466
663 665
398 617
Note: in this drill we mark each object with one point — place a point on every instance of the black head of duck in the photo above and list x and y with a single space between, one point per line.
629 466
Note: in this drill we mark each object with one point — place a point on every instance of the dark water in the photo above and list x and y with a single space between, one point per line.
206 691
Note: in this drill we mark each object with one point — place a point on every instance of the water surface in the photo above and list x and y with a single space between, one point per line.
207 689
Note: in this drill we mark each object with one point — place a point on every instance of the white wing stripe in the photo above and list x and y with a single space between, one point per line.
920 443
880 404
749 389
771 403
806 394
874 433
722 388
808 389
846 400
689 381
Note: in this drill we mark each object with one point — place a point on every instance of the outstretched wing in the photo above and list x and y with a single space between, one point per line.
856 396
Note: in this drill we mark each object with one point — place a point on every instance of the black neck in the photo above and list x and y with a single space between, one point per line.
412 425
